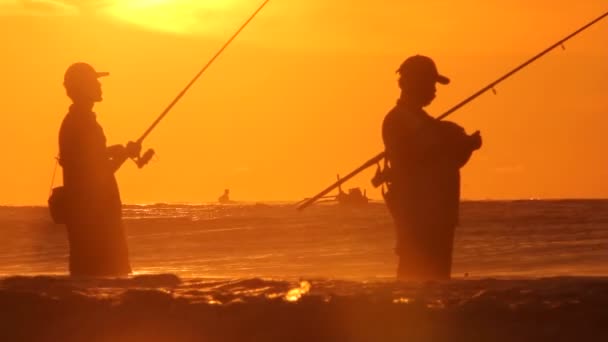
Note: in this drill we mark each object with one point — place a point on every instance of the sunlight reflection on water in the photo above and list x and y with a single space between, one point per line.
295 294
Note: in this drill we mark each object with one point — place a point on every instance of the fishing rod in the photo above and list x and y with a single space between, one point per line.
375 160
145 158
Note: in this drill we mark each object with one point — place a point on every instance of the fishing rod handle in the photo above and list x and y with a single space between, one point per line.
144 159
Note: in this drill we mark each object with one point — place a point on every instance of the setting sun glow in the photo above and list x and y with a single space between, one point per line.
176 16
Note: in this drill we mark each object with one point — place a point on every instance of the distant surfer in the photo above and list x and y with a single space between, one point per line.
225 198
424 156
98 245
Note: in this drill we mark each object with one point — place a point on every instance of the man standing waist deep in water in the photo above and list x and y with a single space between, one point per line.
425 156
96 235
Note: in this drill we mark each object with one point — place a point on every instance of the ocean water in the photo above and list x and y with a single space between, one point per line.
530 270
495 239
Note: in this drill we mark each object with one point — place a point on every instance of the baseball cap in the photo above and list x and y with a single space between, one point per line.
80 72
421 67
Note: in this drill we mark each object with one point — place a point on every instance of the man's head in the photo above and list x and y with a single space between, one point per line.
82 84
418 77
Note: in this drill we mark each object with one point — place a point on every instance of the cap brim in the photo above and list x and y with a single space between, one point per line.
442 79
102 74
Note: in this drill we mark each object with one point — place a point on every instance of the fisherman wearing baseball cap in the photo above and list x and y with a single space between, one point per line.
423 159
81 82
91 204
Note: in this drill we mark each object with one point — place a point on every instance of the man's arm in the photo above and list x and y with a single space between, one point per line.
457 146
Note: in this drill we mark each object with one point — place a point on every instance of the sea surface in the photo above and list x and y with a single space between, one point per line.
523 270
509 239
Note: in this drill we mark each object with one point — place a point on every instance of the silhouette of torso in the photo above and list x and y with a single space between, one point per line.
87 174
96 236
425 156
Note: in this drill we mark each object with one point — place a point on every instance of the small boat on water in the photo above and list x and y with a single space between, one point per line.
354 197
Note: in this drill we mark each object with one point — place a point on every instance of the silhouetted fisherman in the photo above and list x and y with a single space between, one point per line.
96 236
425 156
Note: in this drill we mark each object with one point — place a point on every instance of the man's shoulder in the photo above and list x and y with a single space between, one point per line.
390 116
67 122
396 115
403 119
79 120
392 122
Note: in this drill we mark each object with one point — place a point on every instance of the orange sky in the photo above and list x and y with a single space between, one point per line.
301 94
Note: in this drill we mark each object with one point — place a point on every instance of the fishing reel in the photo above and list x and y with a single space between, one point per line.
381 176
142 160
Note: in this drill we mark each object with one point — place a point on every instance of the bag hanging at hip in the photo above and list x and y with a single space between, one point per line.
58 205
57 199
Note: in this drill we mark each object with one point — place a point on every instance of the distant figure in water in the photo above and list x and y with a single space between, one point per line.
98 245
225 198
424 156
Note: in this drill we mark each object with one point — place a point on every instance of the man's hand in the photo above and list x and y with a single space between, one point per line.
116 152
133 149
475 139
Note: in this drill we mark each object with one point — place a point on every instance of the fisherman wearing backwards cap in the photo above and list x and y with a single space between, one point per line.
424 156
